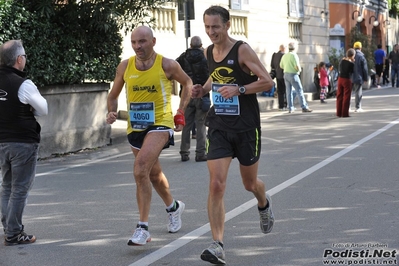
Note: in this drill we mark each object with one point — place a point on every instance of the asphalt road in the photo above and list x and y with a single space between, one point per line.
334 185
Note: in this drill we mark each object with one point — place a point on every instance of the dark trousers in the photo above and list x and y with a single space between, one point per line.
395 75
344 92
385 75
282 102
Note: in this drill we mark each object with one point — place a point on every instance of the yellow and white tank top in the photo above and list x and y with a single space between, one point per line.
148 95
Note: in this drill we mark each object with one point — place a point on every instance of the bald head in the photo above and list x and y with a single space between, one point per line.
196 42
143 42
144 31
282 47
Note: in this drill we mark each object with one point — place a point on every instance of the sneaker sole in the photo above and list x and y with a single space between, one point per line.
209 257
131 243
6 243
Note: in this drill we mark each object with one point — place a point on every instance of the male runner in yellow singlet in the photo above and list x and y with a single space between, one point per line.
148 77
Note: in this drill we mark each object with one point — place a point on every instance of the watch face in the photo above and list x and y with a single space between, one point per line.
242 89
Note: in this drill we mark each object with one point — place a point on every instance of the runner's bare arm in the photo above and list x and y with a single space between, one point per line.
174 72
250 63
112 99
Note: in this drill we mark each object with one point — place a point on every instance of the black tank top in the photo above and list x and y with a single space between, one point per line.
228 71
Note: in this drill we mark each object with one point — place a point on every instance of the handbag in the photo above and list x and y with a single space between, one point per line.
205 104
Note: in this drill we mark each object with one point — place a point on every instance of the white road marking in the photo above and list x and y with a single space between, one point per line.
178 243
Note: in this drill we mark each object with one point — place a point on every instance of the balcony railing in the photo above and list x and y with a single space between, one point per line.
165 20
239 26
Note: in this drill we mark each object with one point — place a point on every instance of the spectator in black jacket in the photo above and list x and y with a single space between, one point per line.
194 63
278 73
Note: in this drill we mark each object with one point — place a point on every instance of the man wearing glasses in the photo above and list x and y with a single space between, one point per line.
20 102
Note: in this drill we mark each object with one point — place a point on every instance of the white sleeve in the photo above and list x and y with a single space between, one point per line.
29 94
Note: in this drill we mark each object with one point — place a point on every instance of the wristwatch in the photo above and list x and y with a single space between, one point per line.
242 90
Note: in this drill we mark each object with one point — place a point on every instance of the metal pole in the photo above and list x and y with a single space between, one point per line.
186 21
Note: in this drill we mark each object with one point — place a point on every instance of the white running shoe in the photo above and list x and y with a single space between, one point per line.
175 218
140 237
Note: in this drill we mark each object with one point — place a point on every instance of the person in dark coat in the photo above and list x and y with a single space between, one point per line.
194 63
360 75
278 73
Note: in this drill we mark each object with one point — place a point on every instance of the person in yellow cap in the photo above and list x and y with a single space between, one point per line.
360 75
357 45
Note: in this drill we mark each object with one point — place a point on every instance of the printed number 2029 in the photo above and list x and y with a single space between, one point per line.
220 99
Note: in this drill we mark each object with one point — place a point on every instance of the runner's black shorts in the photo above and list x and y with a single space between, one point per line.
136 138
246 146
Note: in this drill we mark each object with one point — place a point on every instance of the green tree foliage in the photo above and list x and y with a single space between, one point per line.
335 56
393 6
368 47
69 42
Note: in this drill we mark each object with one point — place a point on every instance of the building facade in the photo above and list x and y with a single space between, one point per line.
370 17
264 24
316 25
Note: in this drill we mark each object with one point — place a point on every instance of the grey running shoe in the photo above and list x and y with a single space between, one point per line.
214 254
175 218
21 238
267 217
140 237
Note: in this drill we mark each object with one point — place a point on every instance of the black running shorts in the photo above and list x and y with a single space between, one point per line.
246 146
136 139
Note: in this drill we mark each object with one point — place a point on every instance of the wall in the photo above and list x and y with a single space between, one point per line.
267 29
75 120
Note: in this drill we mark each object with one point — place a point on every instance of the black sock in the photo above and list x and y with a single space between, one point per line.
142 226
263 209
175 207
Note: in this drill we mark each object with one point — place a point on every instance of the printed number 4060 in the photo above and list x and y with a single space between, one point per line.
141 116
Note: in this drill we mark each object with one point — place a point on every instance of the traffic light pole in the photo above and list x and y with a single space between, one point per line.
186 23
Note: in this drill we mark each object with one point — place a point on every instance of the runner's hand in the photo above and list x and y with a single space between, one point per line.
111 117
179 120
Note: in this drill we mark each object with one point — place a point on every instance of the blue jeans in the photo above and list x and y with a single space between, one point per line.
358 91
395 71
18 169
292 80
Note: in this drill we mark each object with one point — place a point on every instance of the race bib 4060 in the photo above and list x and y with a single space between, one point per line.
141 115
